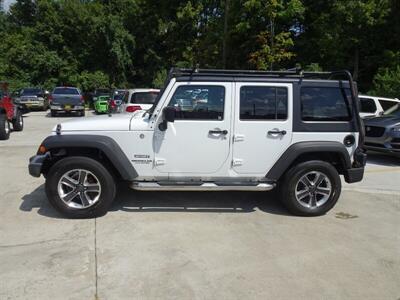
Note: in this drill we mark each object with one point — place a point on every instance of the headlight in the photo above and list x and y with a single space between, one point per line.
396 129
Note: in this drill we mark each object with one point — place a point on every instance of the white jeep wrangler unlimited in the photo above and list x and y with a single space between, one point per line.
214 130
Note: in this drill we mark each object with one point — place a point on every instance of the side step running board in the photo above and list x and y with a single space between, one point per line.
207 186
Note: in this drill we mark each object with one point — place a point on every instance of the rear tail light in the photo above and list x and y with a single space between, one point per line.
50 98
133 108
82 99
113 104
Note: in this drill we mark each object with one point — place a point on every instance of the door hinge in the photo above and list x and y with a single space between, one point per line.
238 138
159 161
237 162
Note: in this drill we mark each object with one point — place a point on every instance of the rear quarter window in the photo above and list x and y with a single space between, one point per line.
325 104
144 97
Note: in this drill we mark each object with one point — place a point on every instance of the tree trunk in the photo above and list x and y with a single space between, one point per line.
225 37
356 64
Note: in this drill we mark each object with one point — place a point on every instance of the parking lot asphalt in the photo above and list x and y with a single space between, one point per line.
187 245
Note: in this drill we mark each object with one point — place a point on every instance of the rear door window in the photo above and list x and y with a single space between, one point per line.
367 105
325 104
66 91
263 103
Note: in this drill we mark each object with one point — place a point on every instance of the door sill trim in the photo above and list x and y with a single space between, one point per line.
206 186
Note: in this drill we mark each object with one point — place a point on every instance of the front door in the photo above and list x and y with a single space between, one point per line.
262 126
199 139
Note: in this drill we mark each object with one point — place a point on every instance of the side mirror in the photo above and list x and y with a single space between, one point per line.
168 115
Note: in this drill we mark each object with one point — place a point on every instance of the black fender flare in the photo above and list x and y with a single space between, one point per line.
104 143
297 149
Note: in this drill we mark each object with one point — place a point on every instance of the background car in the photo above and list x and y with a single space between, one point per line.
375 106
33 98
139 99
116 100
10 113
383 133
66 100
101 104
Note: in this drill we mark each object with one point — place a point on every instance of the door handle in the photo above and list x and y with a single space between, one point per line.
281 132
224 132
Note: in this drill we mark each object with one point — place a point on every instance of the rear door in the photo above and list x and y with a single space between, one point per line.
262 125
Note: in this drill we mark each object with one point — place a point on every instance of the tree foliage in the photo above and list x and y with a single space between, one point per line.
125 43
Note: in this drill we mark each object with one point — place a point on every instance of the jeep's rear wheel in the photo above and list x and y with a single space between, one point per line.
18 122
53 113
4 127
80 187
311 188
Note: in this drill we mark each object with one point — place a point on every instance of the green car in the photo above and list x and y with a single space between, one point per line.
101 104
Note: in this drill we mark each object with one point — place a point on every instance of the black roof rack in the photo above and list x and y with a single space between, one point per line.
293 73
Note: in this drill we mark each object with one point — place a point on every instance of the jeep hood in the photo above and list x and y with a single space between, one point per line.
115 122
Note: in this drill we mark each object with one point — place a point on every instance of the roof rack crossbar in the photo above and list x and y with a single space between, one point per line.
175 72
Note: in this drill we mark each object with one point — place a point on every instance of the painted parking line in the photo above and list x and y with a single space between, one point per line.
383 170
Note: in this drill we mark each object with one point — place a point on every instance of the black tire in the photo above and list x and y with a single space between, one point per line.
4 127
18 121
53 113
82 113
105 179
290 185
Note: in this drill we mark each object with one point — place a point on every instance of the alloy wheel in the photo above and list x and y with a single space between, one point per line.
313 189
79 188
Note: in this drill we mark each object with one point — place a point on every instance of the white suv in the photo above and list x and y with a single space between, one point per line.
214 130
139 99
375 106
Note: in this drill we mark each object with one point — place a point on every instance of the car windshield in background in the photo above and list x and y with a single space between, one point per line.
65 91
118 96
394 111
144 97
31 92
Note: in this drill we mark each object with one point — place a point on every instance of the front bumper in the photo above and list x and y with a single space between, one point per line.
36 164
33 104
388 142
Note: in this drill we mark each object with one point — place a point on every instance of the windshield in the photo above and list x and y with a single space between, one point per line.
118 95
66 91
31 92
393 111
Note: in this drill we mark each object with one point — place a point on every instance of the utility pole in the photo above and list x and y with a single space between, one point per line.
225 37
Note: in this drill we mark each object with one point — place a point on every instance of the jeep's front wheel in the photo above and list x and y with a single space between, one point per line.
311 188
80 187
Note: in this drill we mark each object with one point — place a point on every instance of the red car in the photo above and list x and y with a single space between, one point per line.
10 114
